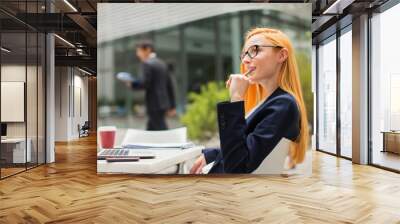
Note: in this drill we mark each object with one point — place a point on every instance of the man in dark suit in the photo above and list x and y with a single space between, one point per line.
157 83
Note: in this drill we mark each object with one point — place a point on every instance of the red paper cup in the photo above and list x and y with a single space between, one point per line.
107 137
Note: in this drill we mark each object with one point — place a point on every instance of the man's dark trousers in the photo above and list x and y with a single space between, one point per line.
156 120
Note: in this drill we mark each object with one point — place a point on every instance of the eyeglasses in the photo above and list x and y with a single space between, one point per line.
253 51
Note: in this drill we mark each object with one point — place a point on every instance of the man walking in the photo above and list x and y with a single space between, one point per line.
157 83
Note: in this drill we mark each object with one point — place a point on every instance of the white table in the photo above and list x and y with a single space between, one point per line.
19 155
164 159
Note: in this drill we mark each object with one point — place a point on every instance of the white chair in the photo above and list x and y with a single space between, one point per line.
177 135
274 163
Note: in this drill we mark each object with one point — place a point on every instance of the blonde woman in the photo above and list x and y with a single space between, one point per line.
264 107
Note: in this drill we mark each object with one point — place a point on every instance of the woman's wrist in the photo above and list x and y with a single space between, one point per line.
236 97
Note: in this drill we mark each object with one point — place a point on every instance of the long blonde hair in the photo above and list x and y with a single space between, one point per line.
289 81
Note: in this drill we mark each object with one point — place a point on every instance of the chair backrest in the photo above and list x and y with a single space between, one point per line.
86 125
274 163
177 135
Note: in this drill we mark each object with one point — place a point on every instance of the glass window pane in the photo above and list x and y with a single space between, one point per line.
41 98
31 97
385 86
345 94
32 87
200 46
327 97
13 84
22 87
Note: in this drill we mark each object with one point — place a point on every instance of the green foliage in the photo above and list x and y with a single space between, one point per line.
201 114
304 64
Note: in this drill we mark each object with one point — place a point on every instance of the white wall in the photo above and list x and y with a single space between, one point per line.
33 126
61 82
71 94
12 73
79 115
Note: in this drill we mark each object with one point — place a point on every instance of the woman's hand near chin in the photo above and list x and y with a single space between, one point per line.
238 85
198 165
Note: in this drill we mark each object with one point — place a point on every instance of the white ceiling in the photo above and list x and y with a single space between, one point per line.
117 20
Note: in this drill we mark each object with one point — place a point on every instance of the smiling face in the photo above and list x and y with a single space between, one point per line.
267 60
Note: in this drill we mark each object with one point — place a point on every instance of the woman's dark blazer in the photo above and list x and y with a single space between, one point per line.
245 143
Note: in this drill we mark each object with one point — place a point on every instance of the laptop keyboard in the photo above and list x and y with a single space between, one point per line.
114 152
124 153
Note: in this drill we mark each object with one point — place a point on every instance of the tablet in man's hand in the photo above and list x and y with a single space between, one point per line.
125 76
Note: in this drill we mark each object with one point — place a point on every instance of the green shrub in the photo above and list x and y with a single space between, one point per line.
200 117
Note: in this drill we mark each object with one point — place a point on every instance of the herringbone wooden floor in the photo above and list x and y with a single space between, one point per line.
70 191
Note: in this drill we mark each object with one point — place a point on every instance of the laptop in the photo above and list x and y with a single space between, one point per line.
123 153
